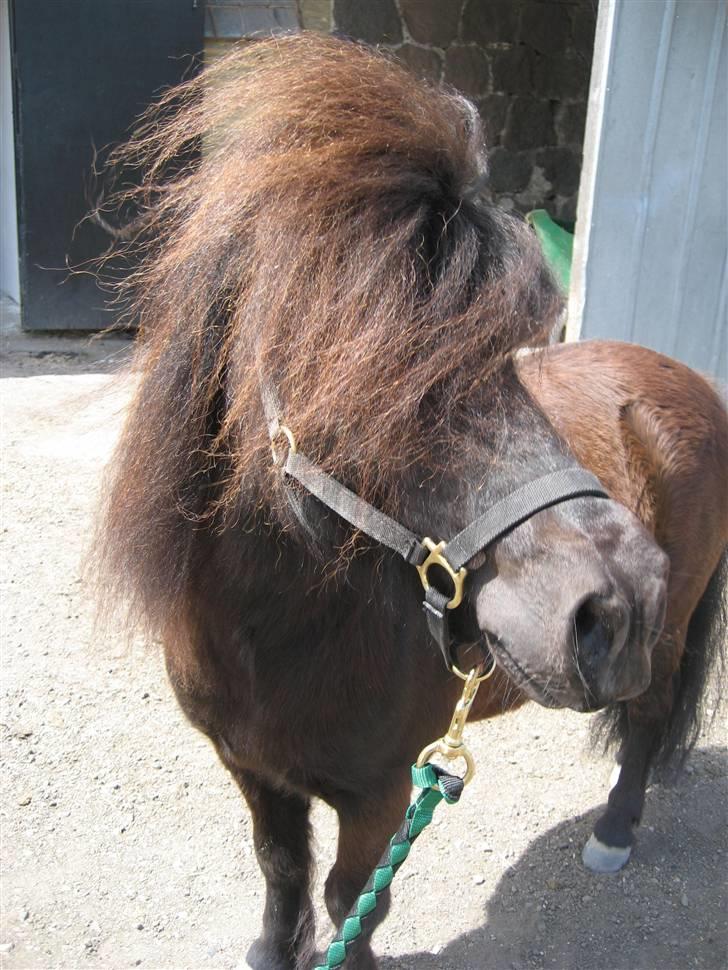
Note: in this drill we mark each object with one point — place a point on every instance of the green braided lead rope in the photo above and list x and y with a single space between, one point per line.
437 785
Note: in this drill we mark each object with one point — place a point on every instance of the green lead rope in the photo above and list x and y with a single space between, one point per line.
437 785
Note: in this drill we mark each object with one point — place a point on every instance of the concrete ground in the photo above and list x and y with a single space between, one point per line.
30 354
125 843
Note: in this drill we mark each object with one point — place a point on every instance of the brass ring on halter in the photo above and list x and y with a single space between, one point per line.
436 558
282 431
480 677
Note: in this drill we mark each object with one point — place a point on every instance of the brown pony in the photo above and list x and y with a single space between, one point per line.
313 219
656 435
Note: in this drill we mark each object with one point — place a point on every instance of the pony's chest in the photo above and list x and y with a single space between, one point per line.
301 717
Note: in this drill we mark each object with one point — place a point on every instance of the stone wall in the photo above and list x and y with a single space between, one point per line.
525 63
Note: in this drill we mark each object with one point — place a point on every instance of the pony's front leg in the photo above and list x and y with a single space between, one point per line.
610 845
281 834
365 828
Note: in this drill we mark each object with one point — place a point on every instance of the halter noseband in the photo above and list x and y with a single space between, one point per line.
451 556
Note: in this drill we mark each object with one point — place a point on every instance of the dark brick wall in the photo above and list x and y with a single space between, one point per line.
526 65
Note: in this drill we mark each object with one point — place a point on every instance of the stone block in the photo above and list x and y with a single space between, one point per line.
509 171
230 21
315 14
564 210
493 110
373 21
421 61
570 122
564 77
467 69
538 194
562 168
512 70
546 28
505 202
432 21
530 125
490 21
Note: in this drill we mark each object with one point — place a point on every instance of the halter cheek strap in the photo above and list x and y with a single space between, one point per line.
501 518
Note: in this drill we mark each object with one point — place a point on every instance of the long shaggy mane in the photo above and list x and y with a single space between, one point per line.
309 209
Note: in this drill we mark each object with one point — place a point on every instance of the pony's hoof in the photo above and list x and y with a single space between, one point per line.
604 858
263 955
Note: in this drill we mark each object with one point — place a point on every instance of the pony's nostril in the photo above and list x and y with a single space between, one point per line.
594 630
594 633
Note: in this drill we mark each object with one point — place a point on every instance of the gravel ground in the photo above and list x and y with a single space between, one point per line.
126 844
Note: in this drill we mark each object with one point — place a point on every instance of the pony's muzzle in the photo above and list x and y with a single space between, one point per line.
613 642
574 615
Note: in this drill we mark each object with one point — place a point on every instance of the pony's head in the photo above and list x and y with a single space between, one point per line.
311 212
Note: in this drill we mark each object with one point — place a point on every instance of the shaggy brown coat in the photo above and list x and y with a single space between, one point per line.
304 236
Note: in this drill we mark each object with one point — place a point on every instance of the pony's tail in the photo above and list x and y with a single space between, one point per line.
697 683
699 679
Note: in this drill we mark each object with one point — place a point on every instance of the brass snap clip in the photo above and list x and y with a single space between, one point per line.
436 558
450 746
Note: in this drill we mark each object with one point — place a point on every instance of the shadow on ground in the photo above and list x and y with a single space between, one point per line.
664 911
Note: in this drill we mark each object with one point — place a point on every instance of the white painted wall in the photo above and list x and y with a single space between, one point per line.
651 246
9 279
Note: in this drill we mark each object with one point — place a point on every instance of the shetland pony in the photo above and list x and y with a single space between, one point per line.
313 219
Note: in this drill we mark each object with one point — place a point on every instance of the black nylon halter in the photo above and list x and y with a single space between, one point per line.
500 519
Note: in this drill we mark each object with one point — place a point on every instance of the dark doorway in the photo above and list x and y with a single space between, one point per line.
83 71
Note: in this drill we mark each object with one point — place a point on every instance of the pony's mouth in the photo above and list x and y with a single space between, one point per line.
524 680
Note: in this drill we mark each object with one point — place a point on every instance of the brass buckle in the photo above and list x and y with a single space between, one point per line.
436 558
283 431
